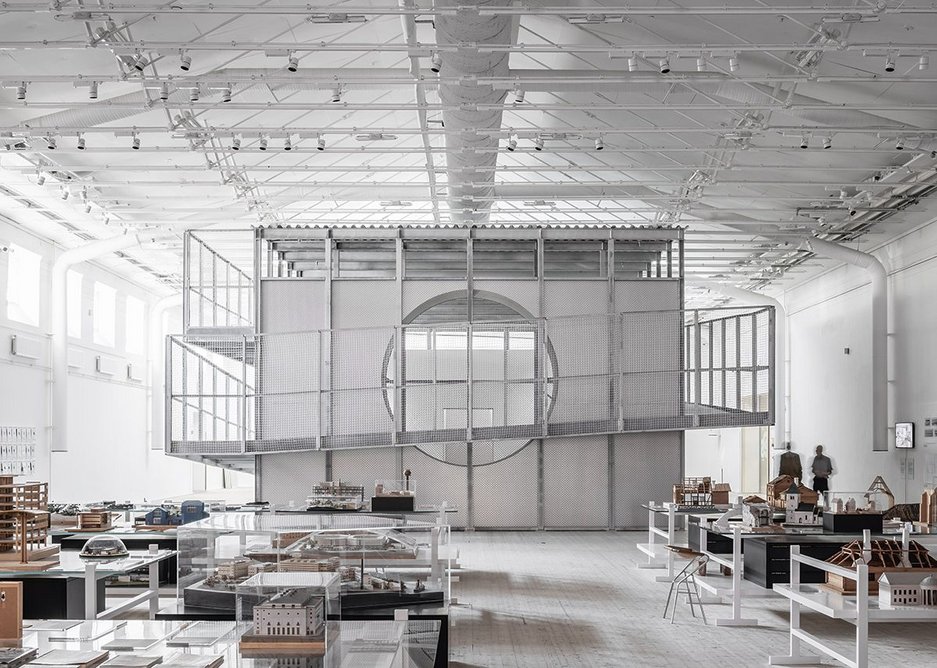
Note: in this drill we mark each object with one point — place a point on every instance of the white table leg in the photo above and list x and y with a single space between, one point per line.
154 589
91 591
671 540
651 539
736 619
796 656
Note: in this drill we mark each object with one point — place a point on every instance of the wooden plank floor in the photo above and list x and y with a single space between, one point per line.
571 599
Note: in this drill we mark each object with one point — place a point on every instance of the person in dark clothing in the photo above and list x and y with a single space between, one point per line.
790 464
822 468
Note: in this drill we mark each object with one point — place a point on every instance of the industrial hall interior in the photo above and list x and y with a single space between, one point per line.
468 333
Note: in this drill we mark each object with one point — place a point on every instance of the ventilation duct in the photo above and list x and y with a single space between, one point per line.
467 151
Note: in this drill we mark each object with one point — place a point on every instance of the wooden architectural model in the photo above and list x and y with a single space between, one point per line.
882 556
94 520
693 492
776 492
24 526
929 506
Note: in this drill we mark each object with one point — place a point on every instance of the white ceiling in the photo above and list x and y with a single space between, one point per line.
707 145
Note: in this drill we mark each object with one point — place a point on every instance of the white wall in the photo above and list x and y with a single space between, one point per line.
109 456
831 398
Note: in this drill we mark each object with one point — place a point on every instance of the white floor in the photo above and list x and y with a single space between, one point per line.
571 599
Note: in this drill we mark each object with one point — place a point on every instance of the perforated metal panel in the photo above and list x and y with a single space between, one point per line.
575 482
646 467
525 294
505 493
292 305
580 297
286 477
417 293
438 482
364 466
363 303
646 295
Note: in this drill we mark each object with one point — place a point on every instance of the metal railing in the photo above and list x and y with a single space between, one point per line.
458 382
217 291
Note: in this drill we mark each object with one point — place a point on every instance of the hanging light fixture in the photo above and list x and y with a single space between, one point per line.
50 143
632 63
899 144
41 179
827 143
21 91
890 63
734 63
538 143
512 142
93 91
139 62
320 143
435 62
923 62
236 144
519 95
226 94
263 144
336 94
135 142
599 144
185 62
164 91
701 64
287 144
664 65
805 141
293 63
81 142
193 95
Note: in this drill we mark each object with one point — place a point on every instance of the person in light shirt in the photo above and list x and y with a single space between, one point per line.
822 468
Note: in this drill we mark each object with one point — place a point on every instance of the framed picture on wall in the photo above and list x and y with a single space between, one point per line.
904 435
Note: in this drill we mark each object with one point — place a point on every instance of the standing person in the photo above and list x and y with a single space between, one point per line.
822 469
789 464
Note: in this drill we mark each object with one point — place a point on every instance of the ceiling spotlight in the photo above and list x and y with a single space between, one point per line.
50 143
93 91
65 192
164 91
889 63
84 193
923 62
336 94
81 143
519 95
805 141
135 143
287 144
320 144
236 144
899 144
226 94
664 65
538 144
263 144
512 142
436 62
700 64
88 207
21 91
185 62
632 63
827 142
139 62
293 63
734 63
193 95
599 144
41 180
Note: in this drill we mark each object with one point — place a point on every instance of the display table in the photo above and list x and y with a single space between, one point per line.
658 556
859 610
134 540
75 589
364 644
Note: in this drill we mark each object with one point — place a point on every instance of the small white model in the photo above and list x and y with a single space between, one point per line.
294 613
907 589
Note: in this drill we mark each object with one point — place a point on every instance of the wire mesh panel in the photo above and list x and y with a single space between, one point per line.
219 285
575 482
289 400
646 467
504 494
439 482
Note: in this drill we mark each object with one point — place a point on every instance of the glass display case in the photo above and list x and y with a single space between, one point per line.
291 614
397 561
852 512
394 495
336 496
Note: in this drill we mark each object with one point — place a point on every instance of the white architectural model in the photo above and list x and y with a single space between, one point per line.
907 589
797 512
295 613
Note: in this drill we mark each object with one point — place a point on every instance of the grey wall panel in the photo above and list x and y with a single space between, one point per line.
289 476
524 293
437 482
575 297
575 482
292 305
633 296
361 303
505 493
646 467
363 466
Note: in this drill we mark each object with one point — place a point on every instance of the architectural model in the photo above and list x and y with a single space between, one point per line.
336 495
291 621
907 589
362 543
103 547
693 492
776 492
928 513
24 526
882 556
756 515
95 519
170 516
394 495
796 511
